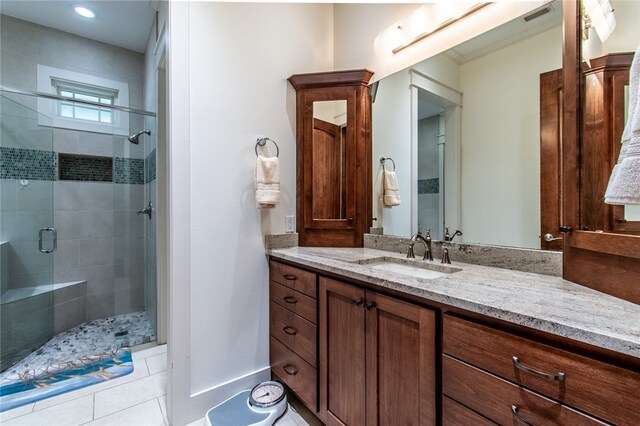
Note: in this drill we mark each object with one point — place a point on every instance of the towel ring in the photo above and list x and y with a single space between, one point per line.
382 161
262 141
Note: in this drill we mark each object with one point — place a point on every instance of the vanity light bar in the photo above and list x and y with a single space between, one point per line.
442 26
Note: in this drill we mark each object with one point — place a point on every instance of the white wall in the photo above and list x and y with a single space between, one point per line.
358 25
501 141
239 56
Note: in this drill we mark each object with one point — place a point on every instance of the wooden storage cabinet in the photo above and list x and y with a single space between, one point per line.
602 390
377 358
293 329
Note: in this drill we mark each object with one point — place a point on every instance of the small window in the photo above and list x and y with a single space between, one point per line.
97 94
81 111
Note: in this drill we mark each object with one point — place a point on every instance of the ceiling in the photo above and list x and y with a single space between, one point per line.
121 23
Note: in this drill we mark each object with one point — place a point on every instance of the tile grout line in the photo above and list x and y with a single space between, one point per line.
93 415
161 412
115 412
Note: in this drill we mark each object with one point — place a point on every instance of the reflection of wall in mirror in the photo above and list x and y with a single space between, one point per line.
334 112
501 140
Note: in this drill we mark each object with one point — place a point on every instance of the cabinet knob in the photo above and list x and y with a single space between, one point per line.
290 330
290 299
350 219
357 302
369 306
290 369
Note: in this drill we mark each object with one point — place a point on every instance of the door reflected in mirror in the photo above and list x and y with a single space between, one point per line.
329 160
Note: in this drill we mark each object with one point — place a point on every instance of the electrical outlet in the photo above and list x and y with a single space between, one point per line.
290 223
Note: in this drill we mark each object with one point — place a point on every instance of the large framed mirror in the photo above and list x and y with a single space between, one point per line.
464 130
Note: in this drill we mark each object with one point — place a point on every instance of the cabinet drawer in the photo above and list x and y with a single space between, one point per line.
455 414
294 332
294 301
589 385
297 374
504 402
292 277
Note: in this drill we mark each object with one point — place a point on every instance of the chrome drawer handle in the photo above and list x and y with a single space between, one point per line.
290 330
290 299
290 370
559 377
518 417
290 277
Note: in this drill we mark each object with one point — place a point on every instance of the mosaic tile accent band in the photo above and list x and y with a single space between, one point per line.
128 170
150 167
428 186
17 163
83 168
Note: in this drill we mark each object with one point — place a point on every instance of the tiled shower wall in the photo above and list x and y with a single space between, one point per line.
428 181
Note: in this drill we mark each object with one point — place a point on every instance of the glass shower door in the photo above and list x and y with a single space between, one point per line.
28 168
134 227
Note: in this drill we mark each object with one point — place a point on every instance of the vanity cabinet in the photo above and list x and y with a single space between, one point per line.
377 358
333 157
293 330
507 378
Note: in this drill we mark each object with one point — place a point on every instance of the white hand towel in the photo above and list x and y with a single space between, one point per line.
624 183
267 182
391 193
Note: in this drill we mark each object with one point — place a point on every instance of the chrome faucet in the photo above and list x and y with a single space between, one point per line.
426 242
448 236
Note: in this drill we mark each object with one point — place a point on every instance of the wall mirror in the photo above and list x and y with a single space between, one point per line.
607 52
463 128
329 156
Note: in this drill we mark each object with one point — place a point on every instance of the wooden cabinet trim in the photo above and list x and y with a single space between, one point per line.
456 414
294 372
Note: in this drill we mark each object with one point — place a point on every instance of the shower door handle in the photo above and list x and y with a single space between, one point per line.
55 240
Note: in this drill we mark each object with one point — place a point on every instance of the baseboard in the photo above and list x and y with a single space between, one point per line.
202 401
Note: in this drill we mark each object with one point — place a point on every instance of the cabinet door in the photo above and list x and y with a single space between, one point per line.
400 362
342 354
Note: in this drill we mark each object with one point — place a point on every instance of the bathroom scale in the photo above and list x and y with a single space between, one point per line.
260 406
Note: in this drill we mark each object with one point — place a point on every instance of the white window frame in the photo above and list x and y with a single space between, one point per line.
48 79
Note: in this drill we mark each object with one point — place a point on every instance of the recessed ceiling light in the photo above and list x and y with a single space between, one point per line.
84 11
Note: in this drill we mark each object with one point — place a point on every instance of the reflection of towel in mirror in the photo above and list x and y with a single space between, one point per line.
624 183
267 182
391 193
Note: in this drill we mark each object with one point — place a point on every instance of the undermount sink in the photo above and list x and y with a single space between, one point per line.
410 267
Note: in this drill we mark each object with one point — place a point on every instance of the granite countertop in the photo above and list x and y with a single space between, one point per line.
540 302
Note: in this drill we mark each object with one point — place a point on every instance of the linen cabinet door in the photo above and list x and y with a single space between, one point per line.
401 356
342 353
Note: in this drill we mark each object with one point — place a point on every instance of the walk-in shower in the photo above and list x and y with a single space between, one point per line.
78 268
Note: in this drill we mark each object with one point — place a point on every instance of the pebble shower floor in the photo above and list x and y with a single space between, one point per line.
90 353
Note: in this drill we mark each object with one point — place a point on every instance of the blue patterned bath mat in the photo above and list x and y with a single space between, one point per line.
54 380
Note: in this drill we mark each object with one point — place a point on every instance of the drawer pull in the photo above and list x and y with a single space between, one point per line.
290 330
518 417
547 376
290 370
290 299
290 277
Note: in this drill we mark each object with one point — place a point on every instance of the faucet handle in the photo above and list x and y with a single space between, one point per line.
428 234
410 254
445 256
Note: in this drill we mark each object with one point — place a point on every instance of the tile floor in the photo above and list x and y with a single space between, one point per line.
138 399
